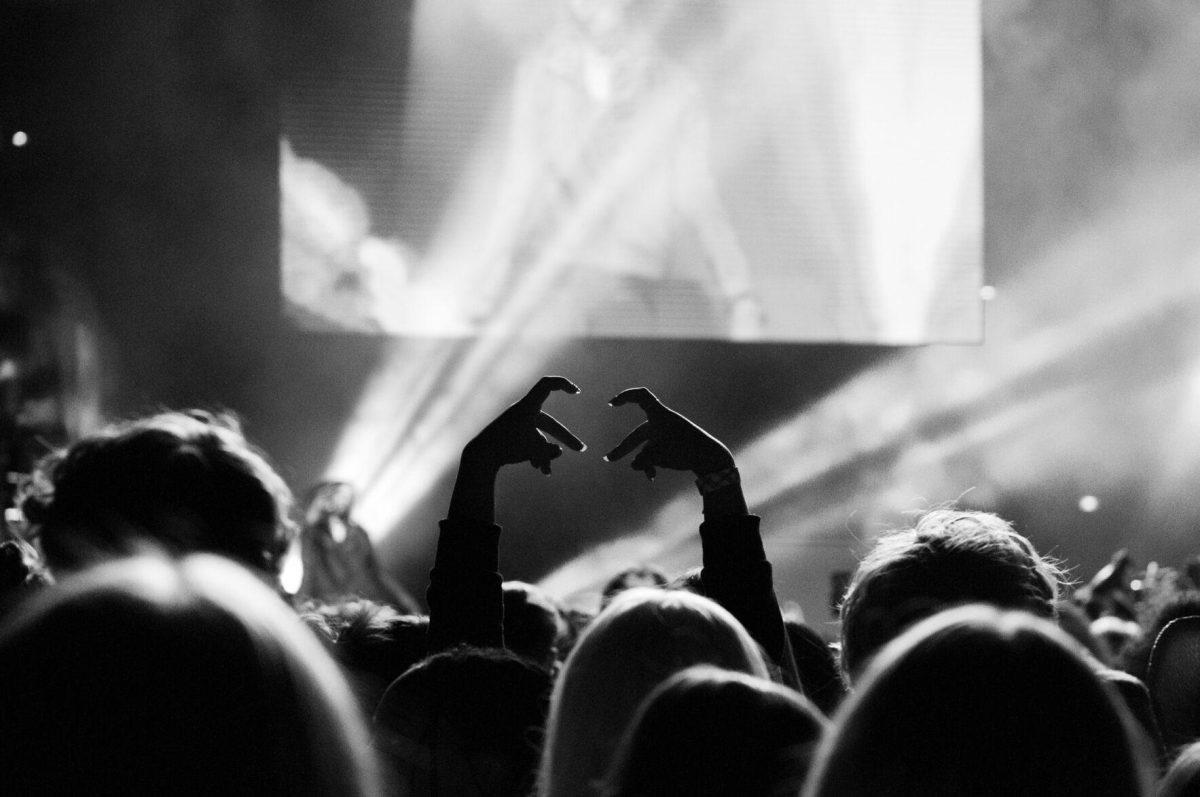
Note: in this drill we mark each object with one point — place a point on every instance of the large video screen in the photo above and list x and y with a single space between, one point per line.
752 170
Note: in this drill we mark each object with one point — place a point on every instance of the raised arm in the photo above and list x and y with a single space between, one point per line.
466 603
736 572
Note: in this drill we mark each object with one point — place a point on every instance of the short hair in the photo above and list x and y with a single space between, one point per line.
633 576
182 482
644 636
146 676
374 643
984 702
950 557
710 731
466 720
533 623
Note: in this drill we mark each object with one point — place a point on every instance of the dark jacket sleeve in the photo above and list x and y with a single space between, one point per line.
466 602
737 575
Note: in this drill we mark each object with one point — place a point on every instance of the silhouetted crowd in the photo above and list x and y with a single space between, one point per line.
151 643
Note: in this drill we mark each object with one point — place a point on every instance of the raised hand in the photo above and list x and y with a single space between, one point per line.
671 440
519 433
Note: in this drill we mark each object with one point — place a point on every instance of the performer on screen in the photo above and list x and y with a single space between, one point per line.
608 205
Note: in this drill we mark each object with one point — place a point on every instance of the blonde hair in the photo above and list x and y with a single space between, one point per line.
642 638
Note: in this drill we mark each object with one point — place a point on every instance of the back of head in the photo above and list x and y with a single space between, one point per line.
816 665
982 702
948 558
143 676
533 624
712 731
630 577
644 636
373 642
1183 777
465 721
180 482
328 499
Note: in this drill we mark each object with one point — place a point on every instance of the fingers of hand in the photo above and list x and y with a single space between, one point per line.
640 396
541 391
646 460
550 425
546 452
632 440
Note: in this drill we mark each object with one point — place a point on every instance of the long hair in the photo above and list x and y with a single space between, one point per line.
710 731
644 636
982 702
146 676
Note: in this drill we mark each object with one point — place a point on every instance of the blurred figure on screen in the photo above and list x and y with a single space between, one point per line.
608 219
339 561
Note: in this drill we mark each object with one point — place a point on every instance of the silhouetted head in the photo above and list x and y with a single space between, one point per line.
176 482
464 722
328 499
630 577
982 702
145 676
533 623
1183 777
816 665
948 559
373 642
644 636
712 731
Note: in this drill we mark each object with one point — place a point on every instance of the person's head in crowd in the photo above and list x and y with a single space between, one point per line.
630 577
178 482
1072 619
374 643
328 499
983 702
534 625
147 676
710 731
578 619
1182 778
949 557
1115 636
467 721
691 580
1156 617
816 665
644 636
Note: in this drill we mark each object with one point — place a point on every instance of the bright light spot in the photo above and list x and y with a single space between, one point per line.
1136 584
1089 503
20 138
987 293
8 369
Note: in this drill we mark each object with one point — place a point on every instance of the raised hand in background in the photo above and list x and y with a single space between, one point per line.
519 434
736 572
671 440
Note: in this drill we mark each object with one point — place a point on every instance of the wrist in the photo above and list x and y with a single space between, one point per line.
722 493
477 464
